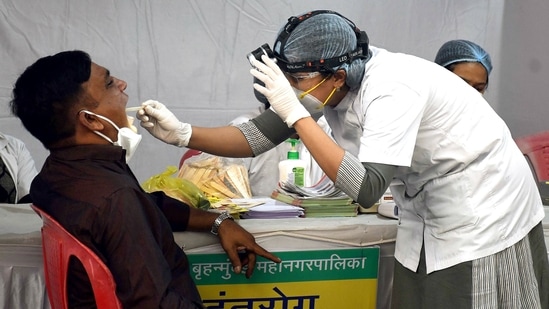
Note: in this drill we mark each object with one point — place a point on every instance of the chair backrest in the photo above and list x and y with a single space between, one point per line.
535 148
58 247
188 154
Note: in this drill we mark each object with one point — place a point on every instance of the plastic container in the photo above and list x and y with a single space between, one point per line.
293 169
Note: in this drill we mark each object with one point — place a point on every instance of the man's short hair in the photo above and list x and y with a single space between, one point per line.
46 94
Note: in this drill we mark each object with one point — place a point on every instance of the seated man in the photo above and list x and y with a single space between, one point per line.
17 170
77 110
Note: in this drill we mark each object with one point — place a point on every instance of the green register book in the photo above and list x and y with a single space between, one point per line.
338 206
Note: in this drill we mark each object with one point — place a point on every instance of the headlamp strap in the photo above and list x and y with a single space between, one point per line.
322 65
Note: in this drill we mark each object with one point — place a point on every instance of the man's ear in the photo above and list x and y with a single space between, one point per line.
90 121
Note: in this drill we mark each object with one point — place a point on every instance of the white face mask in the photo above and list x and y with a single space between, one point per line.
127 138
311 104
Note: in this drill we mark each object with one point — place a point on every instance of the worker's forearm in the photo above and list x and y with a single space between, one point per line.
227 141
324 150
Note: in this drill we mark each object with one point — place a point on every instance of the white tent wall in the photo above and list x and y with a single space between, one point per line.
190 54
523 67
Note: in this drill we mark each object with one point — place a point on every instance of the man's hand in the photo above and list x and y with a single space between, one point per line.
234 239
156 118
278 91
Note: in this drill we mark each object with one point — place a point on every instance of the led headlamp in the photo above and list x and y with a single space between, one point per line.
321 65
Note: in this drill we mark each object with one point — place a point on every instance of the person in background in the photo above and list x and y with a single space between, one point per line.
470 232
467 60
77 110
17 169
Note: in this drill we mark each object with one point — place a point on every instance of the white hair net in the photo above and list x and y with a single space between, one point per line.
463 51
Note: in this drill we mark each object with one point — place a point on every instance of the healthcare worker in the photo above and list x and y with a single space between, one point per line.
470 233
467 60
17 170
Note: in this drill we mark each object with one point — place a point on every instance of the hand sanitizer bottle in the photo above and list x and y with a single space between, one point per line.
292 170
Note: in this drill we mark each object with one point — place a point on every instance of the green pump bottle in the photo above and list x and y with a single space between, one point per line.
293 169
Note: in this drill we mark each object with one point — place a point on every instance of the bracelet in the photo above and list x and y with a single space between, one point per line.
222 217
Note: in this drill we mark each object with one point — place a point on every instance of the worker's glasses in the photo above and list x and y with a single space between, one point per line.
298 77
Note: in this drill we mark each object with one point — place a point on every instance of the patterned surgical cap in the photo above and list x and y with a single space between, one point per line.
463 51
324 36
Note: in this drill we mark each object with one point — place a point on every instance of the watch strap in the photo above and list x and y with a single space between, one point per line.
222 217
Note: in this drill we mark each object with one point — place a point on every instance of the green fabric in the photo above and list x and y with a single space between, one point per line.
449 288
453 288
272 127
377 179
540 263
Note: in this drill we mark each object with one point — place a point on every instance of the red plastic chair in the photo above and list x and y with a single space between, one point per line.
58 247
535 148
189 153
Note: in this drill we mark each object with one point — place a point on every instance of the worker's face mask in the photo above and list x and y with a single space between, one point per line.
127 138
310 102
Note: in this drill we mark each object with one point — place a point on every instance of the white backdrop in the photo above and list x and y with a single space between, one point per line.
190 54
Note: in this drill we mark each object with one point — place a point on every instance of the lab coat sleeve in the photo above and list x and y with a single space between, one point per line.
20 164
26 172
364 182
265 131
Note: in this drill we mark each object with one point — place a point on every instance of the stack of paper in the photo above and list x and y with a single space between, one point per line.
320 200
273 210
323 188
235 207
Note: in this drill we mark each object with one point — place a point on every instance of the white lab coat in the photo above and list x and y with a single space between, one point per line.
468 191
19 163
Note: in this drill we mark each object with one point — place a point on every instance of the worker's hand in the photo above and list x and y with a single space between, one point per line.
278 91
241 247
156 118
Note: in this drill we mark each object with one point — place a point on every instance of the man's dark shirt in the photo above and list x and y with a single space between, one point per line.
92 192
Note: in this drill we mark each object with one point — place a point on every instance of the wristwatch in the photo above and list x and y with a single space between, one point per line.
222 217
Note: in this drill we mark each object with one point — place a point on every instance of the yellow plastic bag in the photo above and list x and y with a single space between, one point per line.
218 177
177 188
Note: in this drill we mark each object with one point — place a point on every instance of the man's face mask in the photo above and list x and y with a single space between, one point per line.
127 138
